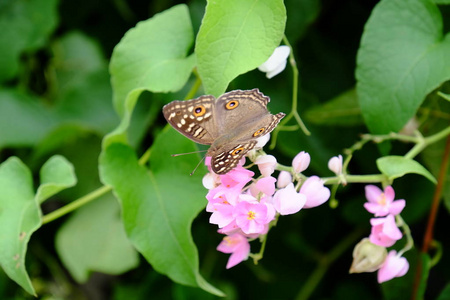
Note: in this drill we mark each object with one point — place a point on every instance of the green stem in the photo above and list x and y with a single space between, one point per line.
195 87
409 240
293 113
356 178
75 204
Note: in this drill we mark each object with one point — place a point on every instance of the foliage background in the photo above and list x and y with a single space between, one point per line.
58 100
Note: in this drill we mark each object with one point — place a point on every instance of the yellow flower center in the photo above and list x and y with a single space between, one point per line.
382 199
251 215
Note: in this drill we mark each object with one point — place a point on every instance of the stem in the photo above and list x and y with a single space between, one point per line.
75 204
325 262
428 236
356 178
293 112
409 240
195 87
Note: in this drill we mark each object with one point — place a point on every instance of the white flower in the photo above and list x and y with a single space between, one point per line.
276 62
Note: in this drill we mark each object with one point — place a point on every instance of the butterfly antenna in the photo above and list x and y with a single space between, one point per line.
192 173
193 152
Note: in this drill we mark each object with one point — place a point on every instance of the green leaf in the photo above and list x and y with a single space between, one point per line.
397 166
403 56
74 56
236 36
341 111
159 205
93 239
57 174
445 294
26 26
153 56
83 83
20 216
23 120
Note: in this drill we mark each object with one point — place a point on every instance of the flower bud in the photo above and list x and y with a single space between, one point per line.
335 164
276 63
314 190
301 162
284 178
266 164
367 257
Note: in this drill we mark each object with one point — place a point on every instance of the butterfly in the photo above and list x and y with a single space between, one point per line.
231 124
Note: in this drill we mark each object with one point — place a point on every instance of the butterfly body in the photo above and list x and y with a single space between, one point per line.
231 124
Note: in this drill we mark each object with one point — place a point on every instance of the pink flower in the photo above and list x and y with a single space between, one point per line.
287 201
238 246
265 185
384 231
228 194
266 164
239 176
335 164
284 178
301 162
314 190
252 217
394 266
381 204
222 210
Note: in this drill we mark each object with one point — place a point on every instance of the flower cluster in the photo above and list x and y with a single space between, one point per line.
244 207
371 254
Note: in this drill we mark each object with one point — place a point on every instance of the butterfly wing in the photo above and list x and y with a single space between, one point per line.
238 107
193 118
229 156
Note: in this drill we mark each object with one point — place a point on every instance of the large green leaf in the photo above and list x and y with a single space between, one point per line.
25 26
236 36
19 218
20 214
93 239
153 56
397 166
160 204
403 56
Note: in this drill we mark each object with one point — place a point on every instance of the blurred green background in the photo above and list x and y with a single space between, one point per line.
55 98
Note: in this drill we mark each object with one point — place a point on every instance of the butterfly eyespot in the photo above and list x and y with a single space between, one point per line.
259 131
237 151
232 104
199 111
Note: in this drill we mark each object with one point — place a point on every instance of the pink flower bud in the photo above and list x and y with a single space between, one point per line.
314 190
335 164
284 178
266 164
301 162
394 266
287 201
